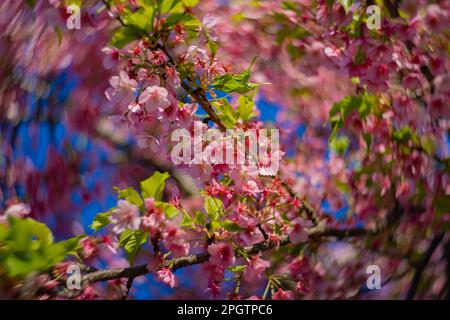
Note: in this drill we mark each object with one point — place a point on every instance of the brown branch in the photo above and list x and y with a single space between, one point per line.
392 8
264 233
178 263
446 287
198 94
305 206
200 97
422 265
128 288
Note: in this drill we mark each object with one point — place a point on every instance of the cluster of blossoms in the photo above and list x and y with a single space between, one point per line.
370 107
390 132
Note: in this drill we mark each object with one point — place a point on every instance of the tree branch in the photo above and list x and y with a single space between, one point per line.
305 206
178 263
446 287
422 265
198 94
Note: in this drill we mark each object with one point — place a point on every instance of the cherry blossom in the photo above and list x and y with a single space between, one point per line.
125 216
221 254
167 277
360 175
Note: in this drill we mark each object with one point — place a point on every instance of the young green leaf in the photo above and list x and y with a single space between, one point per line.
340 144
169 210
237 269
153 187
131 195
234 83
230 226
225 113
131 241
246 107
200 218
213 207
101 220
125 35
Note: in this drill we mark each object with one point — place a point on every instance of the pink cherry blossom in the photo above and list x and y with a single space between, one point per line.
125 216
154 96
17 210
255 268
298 233
166 276
222 254
363 125
89 247
283 295
111 242
251 188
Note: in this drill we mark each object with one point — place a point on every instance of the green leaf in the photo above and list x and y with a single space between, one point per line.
345 106
368 139
169 210
40 231
404 135
442 204
342 186
225 113
189 22
187 221
20 265
101 220
234 83
246 107
72 245
346 4
237 269
340 145
360 57
141 21
214 208
153 187
212 45
31 3
288 32
230 226
170 5
131 241
131 195
190 3
59 34
3 232
368 105
200 218
214 225
27 246
24 231
428 144
364 104
125 35
340 110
